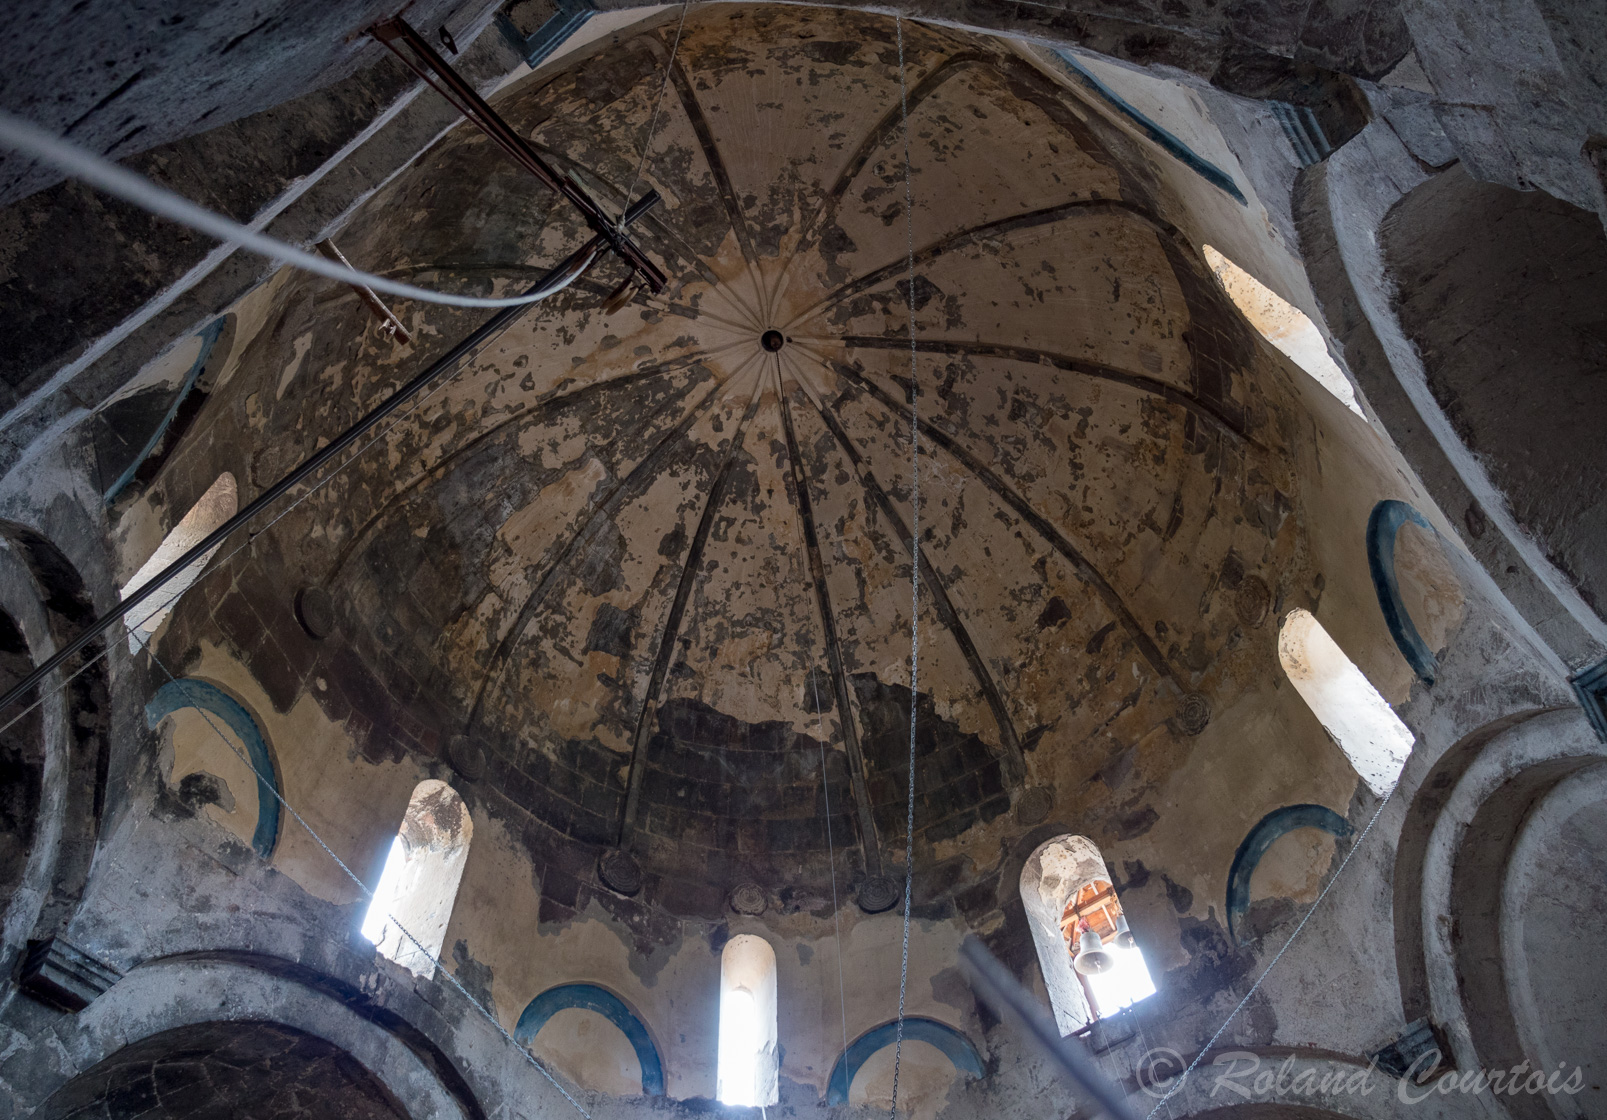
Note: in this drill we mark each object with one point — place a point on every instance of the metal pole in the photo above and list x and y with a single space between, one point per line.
439 74
999 988
495 325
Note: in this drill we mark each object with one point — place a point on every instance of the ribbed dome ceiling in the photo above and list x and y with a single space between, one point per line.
645 536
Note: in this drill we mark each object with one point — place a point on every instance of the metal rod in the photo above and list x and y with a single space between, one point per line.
1001 991
384 314
555 280
439 74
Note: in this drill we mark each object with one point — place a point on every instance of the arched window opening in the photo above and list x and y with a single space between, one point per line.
1345 701
747 1069
216 506
1111 966
420 880
1284 325
1073 909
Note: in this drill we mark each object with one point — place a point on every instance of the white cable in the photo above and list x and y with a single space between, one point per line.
104 175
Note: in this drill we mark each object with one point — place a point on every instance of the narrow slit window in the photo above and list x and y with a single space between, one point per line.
413 901
1345 701
747 1069
215 507
1091 965
1284 325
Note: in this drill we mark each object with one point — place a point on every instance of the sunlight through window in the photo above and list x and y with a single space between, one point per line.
1284 325
1345 701
746 1073
413 899
213 508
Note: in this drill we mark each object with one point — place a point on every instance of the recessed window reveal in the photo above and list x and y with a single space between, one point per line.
1284 325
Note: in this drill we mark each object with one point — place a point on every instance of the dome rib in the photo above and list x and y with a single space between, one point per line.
1010 742
691 564
1041 524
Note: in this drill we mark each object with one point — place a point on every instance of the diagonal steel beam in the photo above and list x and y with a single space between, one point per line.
555 281
421 58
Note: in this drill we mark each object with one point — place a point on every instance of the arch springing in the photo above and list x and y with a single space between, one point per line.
420 880
1340 695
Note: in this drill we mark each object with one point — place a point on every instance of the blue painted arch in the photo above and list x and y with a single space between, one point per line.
590 997
954 1045
209 338
1267 832
209 698
1383 526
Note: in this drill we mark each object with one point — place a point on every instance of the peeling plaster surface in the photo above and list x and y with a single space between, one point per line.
634 582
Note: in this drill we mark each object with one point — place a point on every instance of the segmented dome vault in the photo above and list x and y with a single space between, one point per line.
651 564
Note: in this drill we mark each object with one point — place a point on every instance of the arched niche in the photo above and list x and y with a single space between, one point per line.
250 1070
1554 921
950 1045
1414 583
22 764
1501 291
603 1068
201 742
1259 841
1528 902
202 1001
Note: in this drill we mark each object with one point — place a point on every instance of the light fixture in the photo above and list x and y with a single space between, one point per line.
1124 936
1092 957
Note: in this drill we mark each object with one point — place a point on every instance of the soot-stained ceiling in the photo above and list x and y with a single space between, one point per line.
641 566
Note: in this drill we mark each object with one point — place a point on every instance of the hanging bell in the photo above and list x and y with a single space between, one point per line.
1092 956
1124 936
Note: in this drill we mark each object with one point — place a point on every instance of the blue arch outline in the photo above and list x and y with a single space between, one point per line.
1202 167
1267 832
192 693
209 338
1383 525
590 997
955 1046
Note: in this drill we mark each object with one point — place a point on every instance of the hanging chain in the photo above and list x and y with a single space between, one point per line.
915 561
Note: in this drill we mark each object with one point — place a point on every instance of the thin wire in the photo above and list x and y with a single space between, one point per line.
1354 848
915 558
831 852
119 182
652 126
266 782
251 537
